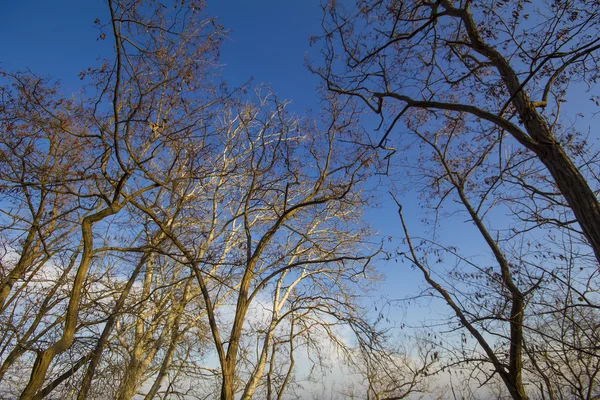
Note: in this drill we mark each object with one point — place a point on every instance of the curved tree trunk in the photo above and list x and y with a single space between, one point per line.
45 357
569 180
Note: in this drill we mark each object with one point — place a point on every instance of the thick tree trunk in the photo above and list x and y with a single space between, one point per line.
130 383
227 392
38 373
44 358
574 187
571 183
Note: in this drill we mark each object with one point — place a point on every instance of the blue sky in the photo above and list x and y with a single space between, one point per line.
268 41
54 38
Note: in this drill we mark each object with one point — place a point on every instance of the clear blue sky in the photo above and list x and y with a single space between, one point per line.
268 41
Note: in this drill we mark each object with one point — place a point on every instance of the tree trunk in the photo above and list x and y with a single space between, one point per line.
44 358
575 189
571 183
228 381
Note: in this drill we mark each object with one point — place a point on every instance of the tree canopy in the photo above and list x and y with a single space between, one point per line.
167 235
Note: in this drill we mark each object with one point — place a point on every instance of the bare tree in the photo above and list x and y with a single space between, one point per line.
283 201
497 299
76 165
506 66
479 87
158 217
385 371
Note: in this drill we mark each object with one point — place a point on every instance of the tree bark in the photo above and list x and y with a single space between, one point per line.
45 357
571 183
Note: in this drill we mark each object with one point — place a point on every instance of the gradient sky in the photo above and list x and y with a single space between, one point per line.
268 42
